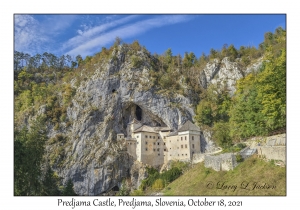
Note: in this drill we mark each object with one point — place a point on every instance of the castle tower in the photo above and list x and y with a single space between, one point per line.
132 126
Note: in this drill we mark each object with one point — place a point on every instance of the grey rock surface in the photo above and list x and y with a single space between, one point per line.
103 106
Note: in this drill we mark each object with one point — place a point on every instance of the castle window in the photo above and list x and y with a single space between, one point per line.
154 137
130 143
146 149
181 138
150 137
192 137
185 138
158 143
157 149
177 139
164 137
153 150
146 136
165 150
193 146
146 143
182 154
182 146
158 154
185 154
164 143
154 143
137 136
178 154
186 146
158 137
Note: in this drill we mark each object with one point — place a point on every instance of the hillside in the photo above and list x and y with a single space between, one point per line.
68 112
252 177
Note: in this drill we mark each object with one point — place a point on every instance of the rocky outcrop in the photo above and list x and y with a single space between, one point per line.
117 92
138 174
225 73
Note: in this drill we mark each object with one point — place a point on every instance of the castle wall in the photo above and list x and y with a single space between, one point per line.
156 149
197 157
131 127
151 149
183 146
195 145
131 147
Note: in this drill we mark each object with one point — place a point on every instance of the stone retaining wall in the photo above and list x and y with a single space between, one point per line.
272 153
198 157
223 162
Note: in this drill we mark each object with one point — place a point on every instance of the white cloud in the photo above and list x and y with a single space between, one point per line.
86 46
33 36
27 37
38 34
90 33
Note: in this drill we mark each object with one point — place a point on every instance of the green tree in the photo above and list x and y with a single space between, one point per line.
124 190
204 113
29 148
50 183
221 134
79 60
272 91
68 189
246 118
232 52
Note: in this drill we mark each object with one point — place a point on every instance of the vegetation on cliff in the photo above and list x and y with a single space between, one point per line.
258 107
44 85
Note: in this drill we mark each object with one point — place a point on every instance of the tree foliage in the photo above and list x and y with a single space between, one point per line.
29 148
258 106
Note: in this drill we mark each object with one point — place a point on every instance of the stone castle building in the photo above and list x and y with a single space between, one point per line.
158 145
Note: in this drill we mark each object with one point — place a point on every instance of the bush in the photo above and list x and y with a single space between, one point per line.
239 158
136 61
207 171
124 190
137 193
171 175
158 184
241 145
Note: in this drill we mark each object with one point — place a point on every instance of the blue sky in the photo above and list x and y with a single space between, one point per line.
87 34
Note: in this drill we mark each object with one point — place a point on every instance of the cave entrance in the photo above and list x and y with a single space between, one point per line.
115 188
138 113
113 90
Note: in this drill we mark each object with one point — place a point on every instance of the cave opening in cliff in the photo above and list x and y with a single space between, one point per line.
138 113
113 90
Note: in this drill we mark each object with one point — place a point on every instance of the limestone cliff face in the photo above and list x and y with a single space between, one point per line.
103 105
118 91
225 73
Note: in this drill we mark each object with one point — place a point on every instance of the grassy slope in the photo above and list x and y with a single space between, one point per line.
202 181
